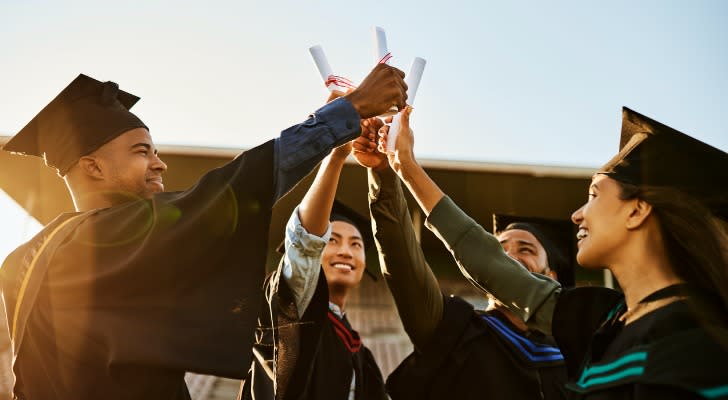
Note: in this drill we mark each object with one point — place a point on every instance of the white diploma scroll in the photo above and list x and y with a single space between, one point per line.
413 82
322 63
382 56
381 53
333 82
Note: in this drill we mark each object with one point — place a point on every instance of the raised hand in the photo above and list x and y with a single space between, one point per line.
383 88
365 146
335 95
404 148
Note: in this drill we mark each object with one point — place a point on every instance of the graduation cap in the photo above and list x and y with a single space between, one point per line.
556 237
83 117
654 154
343 213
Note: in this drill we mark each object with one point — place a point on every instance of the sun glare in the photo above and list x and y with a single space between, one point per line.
18 226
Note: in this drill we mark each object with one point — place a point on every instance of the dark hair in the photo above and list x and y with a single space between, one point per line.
696 240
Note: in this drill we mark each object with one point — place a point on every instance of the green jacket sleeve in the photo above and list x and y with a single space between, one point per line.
484 263
411 281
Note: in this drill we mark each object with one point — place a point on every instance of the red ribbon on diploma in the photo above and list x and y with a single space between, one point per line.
386 58
339 81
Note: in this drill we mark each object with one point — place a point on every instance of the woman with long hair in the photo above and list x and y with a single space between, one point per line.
656 219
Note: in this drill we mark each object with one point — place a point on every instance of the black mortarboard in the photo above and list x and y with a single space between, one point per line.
84 116
654 154
556 237
341 212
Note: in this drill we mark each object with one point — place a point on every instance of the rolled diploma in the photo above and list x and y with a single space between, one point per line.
322 64
380 46
413 82
382 56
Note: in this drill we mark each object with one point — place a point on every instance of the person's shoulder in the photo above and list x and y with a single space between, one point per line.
531 348
695 360
692 360
696 314
12 265
43 233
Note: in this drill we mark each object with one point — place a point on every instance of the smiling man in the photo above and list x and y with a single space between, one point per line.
343 259
118 299
543 246
127 167
318 355
333 263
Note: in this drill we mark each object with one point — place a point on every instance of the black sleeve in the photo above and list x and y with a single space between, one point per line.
413 377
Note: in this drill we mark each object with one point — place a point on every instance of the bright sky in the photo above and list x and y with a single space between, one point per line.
525 82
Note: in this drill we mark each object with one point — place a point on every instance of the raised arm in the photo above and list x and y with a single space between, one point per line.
478 253
315 208
301 147
308 230
411 281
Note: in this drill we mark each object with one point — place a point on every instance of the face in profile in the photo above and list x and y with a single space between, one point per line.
343 258
602 223
130 165
523 246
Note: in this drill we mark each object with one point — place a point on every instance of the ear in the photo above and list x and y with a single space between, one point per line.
552 274
91 167
639 213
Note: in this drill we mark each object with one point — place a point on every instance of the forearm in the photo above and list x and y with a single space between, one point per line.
315 208
412 283
423 188
301 147
482 260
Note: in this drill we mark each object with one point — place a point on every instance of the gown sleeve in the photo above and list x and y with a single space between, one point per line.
484 263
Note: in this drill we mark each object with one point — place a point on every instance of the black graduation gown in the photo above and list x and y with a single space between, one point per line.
667 354
315 355
480 356
142 292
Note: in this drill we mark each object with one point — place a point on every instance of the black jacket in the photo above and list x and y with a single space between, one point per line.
480 356
313 357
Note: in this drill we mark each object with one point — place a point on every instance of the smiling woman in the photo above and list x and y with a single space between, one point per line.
654 219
